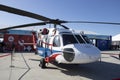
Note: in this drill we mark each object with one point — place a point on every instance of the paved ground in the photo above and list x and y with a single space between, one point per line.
107 69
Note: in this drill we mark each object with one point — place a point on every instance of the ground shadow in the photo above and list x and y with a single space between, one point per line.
94 71
34 59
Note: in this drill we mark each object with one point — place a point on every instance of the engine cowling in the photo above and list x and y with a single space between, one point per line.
68 54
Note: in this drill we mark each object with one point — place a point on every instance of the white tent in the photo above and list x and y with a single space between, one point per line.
116 38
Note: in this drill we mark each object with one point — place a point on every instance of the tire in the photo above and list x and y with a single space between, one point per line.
42 63
119 56
36 52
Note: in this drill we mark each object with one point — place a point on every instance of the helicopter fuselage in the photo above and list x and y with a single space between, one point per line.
66 46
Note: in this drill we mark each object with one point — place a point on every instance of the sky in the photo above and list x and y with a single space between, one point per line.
71 10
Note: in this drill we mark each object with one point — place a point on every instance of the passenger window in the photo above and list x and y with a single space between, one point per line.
56 41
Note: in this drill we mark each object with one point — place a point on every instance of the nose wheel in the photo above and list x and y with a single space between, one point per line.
42 63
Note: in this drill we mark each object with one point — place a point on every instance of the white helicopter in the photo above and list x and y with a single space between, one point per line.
65 46
62 45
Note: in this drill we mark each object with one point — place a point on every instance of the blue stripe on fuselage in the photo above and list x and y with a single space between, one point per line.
45 52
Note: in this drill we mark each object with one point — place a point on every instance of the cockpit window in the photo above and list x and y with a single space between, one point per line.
79 39
72 39
68 39
56 41
86 39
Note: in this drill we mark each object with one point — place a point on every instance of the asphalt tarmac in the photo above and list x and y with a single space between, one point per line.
24 66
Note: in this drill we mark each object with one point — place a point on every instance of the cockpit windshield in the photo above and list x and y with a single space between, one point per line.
72 39
86 39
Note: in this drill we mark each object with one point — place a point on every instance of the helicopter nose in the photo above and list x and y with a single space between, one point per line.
78 54
87 53
68 54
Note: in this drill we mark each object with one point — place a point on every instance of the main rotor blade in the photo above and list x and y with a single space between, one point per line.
64 26
22 26
23 13
112 23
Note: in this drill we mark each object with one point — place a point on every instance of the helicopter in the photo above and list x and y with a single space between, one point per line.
62 45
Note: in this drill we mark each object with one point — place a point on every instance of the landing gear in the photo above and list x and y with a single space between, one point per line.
119 56
36 52
42 63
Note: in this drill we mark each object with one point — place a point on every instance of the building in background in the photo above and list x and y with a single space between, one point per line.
22 40
116 42
103 42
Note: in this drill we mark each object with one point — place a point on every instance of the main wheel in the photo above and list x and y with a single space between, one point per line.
42 63
36 52
119 56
